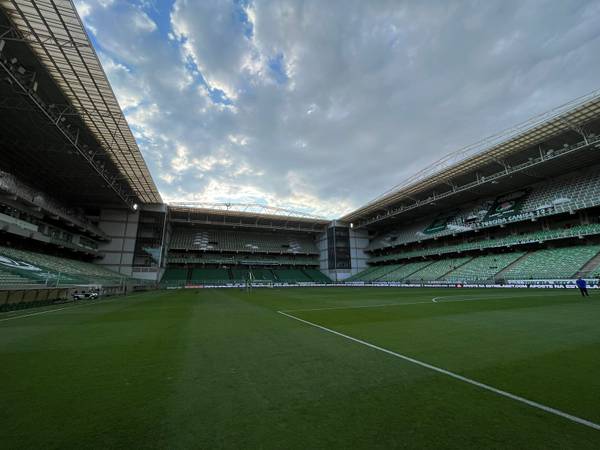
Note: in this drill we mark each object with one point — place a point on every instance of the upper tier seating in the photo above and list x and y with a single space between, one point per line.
537 236
570 191
573 188
252 242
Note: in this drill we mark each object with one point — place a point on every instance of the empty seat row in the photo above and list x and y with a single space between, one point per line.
557 263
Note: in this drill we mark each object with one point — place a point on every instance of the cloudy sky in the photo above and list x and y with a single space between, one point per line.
322 105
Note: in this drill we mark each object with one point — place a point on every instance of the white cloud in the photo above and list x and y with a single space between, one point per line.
324 105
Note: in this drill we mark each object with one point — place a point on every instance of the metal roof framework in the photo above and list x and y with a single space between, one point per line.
493 150
249 209
241 215
55 33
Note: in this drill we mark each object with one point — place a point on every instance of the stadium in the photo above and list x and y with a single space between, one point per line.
444 313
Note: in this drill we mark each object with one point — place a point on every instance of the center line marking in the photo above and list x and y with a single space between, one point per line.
456 376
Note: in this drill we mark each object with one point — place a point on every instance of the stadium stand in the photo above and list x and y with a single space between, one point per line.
526 205
497 242
483 268
53 270
559 263
291 275
317 276
175 276
219 240
402 272
564 194
8 279
263 274
203 275
550 264
438 269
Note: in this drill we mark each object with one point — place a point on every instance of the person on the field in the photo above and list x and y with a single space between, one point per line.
582 285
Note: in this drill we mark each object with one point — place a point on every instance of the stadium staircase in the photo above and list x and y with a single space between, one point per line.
483 268
591 268
502 274
403 271
438 269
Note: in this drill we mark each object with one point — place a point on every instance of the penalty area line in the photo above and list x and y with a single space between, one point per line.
454 375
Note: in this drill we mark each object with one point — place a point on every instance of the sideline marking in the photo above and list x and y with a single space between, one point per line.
456 376
63 308
37 313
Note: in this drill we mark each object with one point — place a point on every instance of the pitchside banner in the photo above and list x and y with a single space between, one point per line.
507 205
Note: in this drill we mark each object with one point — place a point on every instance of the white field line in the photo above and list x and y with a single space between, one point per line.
22 316
433 300
36 313
456 376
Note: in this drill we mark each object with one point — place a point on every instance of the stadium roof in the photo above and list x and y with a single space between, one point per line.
55 33
249 209
495 149
247 215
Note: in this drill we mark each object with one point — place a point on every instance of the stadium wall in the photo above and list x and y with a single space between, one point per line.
121 226
358 242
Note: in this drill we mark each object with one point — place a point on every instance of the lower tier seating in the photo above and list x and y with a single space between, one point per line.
552 263
557 263
483 267
199 275
317 276
54 270
291 275
438 269
8 279
403 271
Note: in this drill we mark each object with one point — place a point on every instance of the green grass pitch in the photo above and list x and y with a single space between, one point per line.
224 369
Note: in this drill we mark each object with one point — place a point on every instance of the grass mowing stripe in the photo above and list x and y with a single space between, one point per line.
456 376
